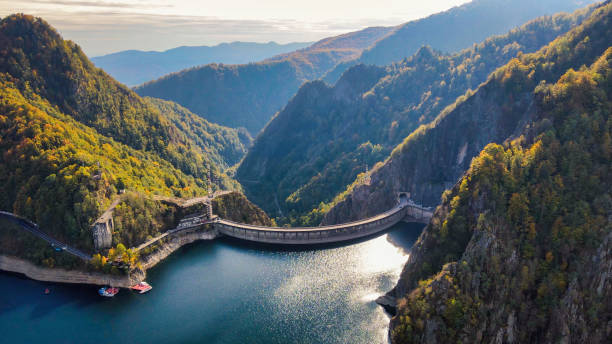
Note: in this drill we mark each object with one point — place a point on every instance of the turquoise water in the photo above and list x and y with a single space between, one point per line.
222 291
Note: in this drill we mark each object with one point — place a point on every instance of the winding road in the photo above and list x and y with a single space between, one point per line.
34 229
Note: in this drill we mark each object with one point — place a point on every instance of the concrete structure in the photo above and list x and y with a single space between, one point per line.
405 210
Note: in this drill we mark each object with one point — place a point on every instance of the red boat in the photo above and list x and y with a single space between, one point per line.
142 287
108 291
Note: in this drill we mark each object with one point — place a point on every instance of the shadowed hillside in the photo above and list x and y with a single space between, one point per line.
324 138
248 95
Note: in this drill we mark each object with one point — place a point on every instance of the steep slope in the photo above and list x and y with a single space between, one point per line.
326 135
133 67
36 56
432 158
72 139
62 174
519 250
248 95
235 207
456 29
224 146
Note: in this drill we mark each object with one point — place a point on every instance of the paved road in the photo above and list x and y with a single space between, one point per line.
34 229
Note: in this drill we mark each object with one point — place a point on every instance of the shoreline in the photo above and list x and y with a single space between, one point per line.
59 275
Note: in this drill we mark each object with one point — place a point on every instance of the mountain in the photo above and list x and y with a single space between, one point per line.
519 249
134 67
224 146
72 138
435 156
59 72
455 29
248 95
326 136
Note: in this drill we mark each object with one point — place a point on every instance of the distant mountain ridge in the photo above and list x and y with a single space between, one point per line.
326 136
134 67
248 95
456 29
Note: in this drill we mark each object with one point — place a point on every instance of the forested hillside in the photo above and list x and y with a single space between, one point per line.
519 250
326 135
248 95
35 56
133 67
432 158
456 29
224 146
72 138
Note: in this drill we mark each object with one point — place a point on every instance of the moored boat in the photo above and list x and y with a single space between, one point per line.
108 291
142 287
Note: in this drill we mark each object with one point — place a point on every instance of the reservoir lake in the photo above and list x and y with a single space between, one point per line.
223 291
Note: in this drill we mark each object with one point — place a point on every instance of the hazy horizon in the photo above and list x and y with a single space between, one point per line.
104 27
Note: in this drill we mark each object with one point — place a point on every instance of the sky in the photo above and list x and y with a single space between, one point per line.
102 27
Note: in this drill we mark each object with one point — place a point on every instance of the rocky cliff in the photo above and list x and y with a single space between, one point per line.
519 251
434 156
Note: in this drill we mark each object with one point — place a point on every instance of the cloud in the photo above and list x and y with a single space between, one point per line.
102 27
102 31
99 4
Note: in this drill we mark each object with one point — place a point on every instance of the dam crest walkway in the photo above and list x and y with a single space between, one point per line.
405 210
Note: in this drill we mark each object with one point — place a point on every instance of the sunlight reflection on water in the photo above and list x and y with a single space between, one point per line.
224 292
353 275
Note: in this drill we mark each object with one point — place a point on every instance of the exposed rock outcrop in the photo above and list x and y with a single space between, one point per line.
102 233
427 163
38 273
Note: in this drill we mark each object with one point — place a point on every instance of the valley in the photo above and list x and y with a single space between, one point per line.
445 180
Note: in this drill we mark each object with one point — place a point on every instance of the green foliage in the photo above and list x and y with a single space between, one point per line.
138 219
324 138
59 72
235 207
72 139
248 95
224 146
545 196
62 174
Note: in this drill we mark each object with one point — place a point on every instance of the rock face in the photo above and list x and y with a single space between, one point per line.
102 232
38 273
433 158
